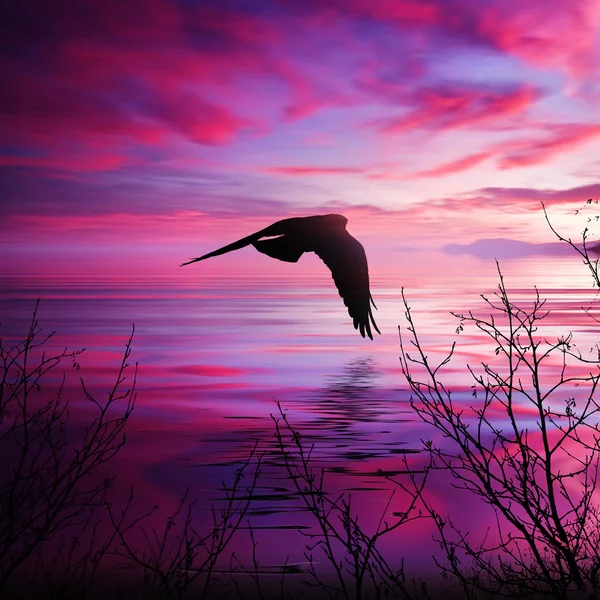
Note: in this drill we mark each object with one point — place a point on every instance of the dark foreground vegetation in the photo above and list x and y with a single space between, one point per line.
525 444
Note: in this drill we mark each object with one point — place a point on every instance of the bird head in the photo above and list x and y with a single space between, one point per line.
336 221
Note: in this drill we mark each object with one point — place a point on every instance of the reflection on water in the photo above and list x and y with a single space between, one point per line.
351 395
213 366
353 418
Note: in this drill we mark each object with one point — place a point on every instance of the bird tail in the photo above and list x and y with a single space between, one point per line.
371 314
229 248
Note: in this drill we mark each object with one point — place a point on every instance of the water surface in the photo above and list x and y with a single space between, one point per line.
217 354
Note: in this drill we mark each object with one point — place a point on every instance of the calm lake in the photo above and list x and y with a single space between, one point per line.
216 354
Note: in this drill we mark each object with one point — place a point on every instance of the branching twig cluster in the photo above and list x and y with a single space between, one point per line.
584 250
351 554
173 558
545 539
50 490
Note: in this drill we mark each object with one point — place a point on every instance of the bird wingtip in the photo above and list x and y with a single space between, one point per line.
189 262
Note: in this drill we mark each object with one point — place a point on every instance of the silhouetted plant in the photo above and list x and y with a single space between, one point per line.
546 536
358 567
584 249
57 522
50 487
173 558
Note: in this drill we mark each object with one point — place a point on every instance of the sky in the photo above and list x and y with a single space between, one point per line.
141 134
136 135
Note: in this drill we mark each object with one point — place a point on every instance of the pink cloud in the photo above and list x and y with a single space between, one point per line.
553 34
386 171
514 213
122 77
449 107
455 166
519 153
563 138
374 171
302 106
43 112
402 13
96 87
73 161
511 154
313 170
170 50
198 120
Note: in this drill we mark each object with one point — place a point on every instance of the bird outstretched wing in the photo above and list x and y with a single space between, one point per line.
347 261
271 249
229 248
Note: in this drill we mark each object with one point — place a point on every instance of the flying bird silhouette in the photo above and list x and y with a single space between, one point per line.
326 236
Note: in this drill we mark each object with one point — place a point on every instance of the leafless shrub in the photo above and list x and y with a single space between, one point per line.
57 520
545 540
50 488
172 559
583 250
351 554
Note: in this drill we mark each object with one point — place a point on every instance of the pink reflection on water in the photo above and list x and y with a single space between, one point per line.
216 354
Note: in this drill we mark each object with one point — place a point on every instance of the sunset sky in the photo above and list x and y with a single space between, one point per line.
137 134
152 131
